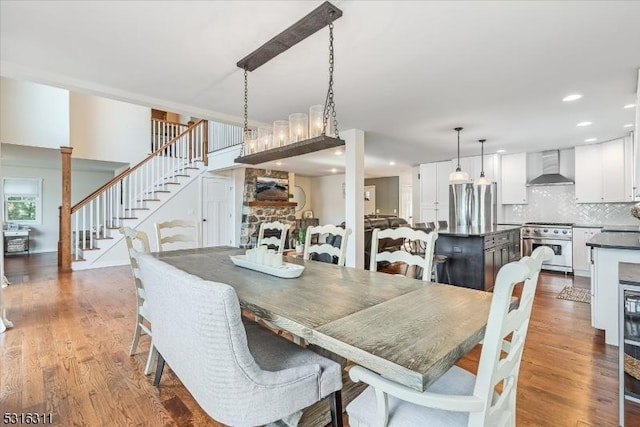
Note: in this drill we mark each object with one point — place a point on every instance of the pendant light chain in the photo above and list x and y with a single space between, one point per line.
330 105
458 129
246 100
246 112
482 157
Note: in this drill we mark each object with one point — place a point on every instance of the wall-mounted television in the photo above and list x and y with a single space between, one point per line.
274 189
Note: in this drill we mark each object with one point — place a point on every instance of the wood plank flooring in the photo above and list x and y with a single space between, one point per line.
68 355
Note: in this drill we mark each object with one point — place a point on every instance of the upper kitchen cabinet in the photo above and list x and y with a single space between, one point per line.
513 179
473 166
604 172
434 191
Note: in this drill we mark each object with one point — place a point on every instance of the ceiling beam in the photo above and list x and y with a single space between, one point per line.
311 23
307 146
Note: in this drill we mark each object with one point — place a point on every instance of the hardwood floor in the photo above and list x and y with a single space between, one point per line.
68 355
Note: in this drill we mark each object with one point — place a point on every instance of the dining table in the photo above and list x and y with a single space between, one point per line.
407 330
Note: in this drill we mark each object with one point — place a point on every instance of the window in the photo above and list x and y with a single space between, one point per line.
23 200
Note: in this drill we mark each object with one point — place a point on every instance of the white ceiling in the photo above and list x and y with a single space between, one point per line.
407 72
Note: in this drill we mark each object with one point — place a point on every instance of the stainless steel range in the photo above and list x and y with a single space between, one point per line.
557 236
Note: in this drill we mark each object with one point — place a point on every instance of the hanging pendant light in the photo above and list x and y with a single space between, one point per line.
482 180
458 176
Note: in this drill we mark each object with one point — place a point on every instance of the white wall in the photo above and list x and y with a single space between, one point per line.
104 129
44 236
304 182
33 114
328 199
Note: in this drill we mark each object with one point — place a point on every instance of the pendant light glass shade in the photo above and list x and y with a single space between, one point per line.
458 175
482 180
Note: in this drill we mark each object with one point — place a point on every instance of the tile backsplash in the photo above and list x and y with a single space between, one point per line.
557 204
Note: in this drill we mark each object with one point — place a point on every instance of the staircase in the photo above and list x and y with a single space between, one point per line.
132 196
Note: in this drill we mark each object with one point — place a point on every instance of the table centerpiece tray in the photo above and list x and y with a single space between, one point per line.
286 271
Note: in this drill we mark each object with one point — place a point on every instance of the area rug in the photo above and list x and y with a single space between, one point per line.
575 294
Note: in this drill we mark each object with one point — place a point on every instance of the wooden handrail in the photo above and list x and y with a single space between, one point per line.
129 171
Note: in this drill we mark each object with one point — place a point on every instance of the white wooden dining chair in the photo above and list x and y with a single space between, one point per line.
459 398
278 241
138 242
326 250
177 231
422 260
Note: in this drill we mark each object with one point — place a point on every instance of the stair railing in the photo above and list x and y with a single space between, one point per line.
119 198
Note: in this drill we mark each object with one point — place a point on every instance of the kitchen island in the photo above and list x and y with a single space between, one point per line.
607 250
475 254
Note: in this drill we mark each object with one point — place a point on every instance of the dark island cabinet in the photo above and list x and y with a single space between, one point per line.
474 261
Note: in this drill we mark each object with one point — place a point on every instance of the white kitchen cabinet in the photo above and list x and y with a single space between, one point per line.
582 252
434 191
473 166
513 179
604 172
588 174
604 288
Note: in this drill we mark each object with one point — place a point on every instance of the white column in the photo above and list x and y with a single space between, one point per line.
354 195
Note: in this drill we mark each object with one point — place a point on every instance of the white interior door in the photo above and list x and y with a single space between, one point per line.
406 203
216 212
369 199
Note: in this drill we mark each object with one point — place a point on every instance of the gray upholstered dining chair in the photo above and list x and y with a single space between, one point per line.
422 260
459 398
137 241
326 250
240 374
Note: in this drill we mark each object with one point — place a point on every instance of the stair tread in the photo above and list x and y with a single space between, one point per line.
159 191
127 217
148 200
137 209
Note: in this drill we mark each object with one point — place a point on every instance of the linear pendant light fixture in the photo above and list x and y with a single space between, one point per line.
482 180
458 176
319 18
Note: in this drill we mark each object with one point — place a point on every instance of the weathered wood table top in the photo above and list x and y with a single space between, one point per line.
408 330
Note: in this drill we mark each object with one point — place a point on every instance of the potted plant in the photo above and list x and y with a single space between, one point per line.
300 237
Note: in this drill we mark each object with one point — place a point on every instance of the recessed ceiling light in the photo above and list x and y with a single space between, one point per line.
392 163
500 151
628 125
278 163
573 97
583 124
590 139
629 106
334 170
338 152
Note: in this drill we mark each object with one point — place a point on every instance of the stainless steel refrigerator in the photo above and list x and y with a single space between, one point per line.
472 205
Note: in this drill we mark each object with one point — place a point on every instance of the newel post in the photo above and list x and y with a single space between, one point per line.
65 211
205 143
190 124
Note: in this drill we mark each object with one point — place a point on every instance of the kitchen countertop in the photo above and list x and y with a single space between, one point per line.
476 231
611 227
616 240
629 273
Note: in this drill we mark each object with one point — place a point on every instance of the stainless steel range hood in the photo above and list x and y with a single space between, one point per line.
550 171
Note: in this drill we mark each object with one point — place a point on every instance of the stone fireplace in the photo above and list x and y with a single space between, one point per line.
256 212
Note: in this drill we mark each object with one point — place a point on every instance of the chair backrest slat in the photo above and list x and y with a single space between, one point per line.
420 238
279 242
326 248
177 231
